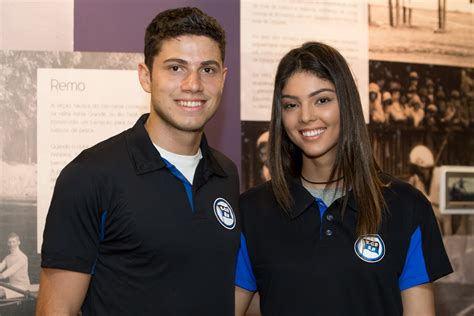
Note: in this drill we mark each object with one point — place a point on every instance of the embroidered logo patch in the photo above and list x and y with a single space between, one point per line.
370 248
224 213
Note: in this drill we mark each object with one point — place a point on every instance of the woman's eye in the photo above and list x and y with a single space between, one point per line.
289 106
323 100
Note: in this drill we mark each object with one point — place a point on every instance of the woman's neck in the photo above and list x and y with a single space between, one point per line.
316 173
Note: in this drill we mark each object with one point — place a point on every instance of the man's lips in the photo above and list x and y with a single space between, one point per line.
191 103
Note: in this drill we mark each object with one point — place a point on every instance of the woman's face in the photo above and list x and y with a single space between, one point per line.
310 115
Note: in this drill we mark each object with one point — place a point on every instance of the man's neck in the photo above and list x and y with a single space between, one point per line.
173 140
15 251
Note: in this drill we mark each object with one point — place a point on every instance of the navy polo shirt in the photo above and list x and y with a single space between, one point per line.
311 262
154 244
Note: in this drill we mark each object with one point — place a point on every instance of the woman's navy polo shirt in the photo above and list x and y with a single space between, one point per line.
120 213
307 263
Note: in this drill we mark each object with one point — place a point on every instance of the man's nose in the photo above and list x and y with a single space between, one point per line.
192 82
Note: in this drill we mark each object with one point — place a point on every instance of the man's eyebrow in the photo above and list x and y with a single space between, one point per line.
211 63
176 60
184 62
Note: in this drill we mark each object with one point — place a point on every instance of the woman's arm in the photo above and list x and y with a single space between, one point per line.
418 300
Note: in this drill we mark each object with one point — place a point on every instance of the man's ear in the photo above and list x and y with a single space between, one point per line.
224 75
144 75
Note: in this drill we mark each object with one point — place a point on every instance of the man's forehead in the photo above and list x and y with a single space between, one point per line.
190 48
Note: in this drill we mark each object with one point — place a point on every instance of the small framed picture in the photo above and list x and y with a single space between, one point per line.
457 189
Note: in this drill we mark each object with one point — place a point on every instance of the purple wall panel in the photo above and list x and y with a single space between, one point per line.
119 26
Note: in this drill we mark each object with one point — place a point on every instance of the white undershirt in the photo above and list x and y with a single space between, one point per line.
185 164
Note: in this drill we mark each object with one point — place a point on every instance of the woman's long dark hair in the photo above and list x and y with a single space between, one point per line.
354 158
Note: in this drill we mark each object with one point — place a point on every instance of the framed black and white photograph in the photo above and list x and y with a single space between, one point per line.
457 190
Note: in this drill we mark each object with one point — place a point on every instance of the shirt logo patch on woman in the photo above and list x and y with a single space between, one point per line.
370 248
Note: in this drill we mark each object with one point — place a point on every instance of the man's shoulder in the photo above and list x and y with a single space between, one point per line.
104 150
22 256
19 255
225 162
104 157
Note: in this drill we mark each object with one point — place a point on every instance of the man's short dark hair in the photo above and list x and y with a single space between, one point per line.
181 21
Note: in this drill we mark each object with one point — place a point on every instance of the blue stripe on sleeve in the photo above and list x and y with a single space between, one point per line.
102 225
414 271
101 237
244 276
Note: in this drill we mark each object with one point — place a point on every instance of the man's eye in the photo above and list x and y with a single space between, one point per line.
209 70
174 68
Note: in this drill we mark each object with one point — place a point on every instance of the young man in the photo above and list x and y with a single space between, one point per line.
144 223
15 265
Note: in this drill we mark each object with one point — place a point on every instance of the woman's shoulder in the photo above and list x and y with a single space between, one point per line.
260 192
399 188
403 199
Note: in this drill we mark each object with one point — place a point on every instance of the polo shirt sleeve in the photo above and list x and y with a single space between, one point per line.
414 271
72 231
244 277
426 259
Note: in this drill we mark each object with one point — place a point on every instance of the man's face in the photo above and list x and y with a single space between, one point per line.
186 83
13 243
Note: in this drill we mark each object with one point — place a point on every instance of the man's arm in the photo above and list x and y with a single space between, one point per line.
418 301
61 292
243 298
3 265
14 268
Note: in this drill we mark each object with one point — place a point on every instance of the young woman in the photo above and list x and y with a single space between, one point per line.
330 234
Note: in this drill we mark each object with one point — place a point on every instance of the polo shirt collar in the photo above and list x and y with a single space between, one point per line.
303 199
210 161
146 158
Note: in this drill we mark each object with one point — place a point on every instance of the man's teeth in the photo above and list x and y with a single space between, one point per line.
190 104
313 132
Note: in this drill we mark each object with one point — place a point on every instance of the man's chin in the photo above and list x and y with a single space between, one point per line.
191 127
